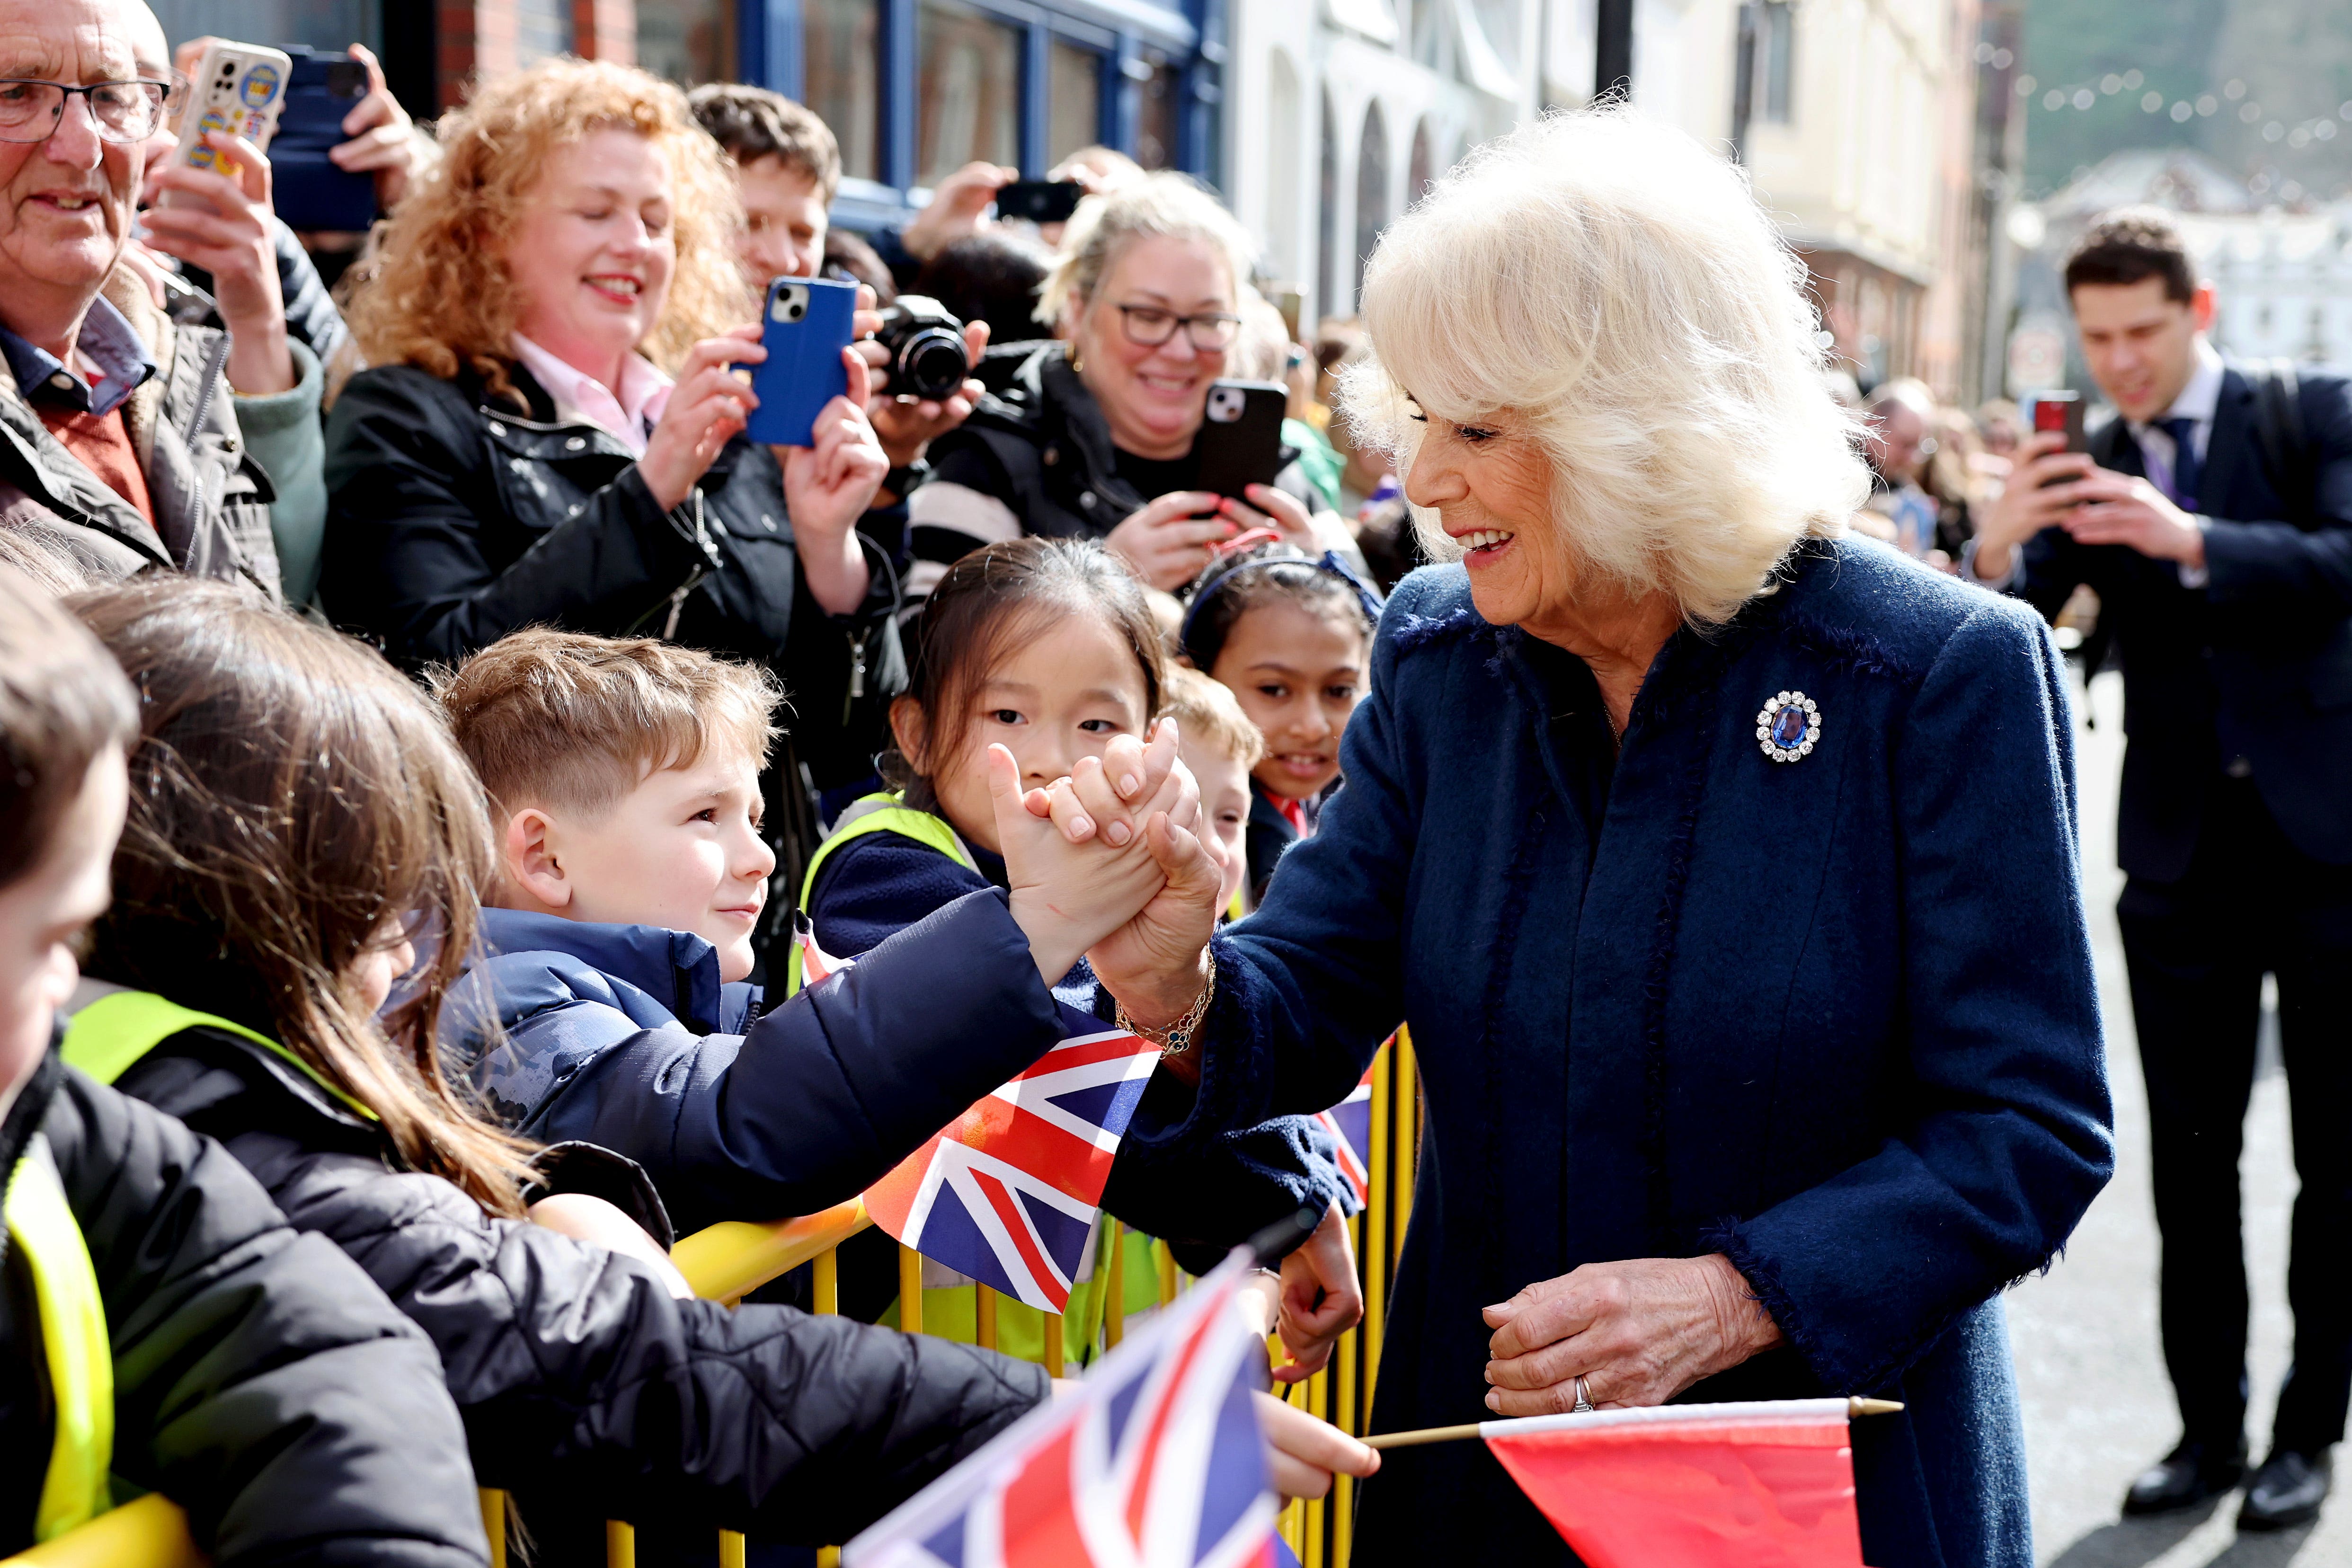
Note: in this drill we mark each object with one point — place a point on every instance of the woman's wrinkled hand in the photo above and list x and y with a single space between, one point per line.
1320 1297
1308 1452
1170 539
1070 893
1638 1333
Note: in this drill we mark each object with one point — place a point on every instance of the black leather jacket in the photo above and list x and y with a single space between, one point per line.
454 517
582 1383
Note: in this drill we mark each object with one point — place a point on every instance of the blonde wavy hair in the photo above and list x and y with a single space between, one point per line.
442 297
1617 287
1163 205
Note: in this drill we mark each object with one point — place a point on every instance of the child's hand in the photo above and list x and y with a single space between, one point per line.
1307 1451
1320 1297
1067 894
604 1224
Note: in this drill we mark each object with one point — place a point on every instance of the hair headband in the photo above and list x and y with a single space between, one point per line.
1330 562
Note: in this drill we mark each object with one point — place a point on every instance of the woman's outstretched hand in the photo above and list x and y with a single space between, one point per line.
1638 1333
1071 892
1153 963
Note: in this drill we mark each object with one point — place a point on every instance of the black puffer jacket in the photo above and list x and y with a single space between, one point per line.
454 517
260 1381
578 1377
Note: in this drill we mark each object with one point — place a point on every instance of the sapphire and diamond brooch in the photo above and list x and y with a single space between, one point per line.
1788 727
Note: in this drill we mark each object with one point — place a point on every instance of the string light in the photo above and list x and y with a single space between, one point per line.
2296 133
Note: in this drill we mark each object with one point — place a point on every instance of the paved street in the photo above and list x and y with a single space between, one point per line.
2097 1407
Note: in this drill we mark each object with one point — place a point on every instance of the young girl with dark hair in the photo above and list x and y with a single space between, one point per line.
1291 636
1047 648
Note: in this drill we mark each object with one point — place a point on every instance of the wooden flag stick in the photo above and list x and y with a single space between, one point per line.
1853 1409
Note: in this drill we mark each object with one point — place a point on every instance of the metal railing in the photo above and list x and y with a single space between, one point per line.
730 1261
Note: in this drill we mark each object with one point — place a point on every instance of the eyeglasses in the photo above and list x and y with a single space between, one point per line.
122 110
1148 327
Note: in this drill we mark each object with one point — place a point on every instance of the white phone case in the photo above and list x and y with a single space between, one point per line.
238 89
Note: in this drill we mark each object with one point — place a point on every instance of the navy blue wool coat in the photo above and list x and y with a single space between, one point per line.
1833 1017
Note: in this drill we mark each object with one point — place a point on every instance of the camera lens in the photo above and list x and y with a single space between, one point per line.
931 364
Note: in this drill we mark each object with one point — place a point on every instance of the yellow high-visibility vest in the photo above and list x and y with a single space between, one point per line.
108 1038
878 813
74 1343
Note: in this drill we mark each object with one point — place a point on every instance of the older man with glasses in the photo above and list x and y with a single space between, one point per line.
129 440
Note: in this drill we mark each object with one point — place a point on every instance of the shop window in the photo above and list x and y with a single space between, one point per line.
1155 119
840 69
1073 100
688 41
969 97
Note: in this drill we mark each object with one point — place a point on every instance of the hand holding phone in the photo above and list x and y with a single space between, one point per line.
238 90
1239 442
804 325
1040 202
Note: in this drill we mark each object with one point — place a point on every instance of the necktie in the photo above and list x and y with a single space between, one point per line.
2187 469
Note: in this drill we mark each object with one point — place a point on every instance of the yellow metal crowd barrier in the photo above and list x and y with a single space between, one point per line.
729 1262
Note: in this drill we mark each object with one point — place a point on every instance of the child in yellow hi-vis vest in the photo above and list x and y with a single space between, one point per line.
1047 648
162 1330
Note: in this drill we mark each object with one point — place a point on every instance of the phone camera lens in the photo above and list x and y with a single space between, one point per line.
795 310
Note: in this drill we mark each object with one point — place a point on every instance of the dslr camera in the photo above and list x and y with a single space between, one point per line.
926 348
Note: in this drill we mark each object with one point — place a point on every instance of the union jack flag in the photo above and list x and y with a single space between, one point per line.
816 963
1349 1123
1156 1462
1008 1192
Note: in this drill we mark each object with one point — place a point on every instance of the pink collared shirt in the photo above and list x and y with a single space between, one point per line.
627 419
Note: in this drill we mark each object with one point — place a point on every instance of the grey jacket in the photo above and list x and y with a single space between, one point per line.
211 495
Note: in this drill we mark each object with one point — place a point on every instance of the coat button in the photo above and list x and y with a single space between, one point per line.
62 381
1086 499
497 428
575 443
1053 454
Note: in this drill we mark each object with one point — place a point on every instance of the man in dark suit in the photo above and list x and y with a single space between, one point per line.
2213 517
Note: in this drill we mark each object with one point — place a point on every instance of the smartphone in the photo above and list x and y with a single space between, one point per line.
1040 201
308 192
1240 440
2060 412
237 88
804 327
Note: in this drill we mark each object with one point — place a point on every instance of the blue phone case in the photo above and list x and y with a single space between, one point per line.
804 326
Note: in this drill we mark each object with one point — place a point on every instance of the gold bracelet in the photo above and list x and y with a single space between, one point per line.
1174 1039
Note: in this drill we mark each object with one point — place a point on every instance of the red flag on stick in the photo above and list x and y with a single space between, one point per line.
1764 1485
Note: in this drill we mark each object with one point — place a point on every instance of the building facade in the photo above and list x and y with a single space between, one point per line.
1872 128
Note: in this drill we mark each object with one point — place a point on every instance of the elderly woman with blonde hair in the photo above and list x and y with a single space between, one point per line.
550 430
1723 867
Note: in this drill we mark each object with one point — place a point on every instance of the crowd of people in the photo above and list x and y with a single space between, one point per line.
428 710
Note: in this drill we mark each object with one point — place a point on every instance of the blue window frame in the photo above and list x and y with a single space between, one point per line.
1155 71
